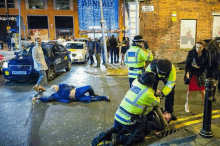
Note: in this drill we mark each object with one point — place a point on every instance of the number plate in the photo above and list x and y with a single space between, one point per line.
19 72
72 49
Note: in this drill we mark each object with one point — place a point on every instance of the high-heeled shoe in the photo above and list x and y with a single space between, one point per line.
36 88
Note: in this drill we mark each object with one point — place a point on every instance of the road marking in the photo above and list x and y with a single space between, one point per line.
194 122
191 117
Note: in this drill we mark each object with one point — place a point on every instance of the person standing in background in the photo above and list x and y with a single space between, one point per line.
113 45
90 47
9 42
124 48
118 49
97 52
13 43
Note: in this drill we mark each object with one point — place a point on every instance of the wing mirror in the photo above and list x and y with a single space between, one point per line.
16 53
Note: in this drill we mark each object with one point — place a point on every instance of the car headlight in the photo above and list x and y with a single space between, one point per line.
80 55
5 65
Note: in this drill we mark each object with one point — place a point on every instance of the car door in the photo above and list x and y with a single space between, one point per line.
58 57
63 53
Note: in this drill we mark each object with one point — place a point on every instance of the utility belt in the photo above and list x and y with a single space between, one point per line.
133 68
134 118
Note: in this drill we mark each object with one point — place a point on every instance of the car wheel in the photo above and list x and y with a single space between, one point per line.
51 73
69 65
85 59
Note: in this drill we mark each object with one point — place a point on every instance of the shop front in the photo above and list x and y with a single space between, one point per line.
38 27
64 27
4 22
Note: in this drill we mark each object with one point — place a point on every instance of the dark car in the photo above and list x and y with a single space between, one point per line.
21 67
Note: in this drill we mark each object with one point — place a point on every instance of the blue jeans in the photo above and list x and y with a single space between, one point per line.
91 52
80 94
42 78
113 52
13 45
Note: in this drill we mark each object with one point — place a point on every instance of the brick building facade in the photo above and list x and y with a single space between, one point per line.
163 33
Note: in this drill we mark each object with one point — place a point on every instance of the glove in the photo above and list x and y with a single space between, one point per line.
161 95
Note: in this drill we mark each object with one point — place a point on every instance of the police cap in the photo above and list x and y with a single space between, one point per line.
147 78
164 66
138 38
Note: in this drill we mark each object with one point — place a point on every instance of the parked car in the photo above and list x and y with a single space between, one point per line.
78 50
1 65
21 67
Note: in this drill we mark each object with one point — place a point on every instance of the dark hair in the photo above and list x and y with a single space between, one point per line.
200 43
37 39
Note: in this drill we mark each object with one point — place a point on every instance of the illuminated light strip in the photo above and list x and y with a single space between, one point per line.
195 116
194 122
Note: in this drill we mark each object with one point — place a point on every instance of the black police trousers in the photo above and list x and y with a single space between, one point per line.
169 99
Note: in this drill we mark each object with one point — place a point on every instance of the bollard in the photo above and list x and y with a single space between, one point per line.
207 117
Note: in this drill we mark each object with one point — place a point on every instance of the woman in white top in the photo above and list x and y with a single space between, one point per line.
39 65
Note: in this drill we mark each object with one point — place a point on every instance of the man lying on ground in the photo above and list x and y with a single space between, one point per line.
66 93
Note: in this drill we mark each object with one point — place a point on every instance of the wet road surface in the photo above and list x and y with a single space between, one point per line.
76 123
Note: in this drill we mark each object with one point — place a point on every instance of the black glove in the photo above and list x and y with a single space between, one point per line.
161 95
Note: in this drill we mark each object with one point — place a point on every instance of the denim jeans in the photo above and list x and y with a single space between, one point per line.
113 52
42 80
80 94
91 52
13 45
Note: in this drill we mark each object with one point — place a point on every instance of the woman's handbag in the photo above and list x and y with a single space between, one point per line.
201 80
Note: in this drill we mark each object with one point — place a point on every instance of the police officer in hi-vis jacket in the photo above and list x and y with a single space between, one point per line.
166 72
137 103
136 57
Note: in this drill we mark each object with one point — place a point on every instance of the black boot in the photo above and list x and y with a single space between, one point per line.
103 135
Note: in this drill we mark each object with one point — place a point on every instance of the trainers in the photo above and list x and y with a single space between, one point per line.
187 108
98 139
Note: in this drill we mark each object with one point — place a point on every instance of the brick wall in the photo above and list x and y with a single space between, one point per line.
163 34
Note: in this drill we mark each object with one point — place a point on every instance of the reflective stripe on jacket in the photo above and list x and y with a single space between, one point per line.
171 78
135 57
134 102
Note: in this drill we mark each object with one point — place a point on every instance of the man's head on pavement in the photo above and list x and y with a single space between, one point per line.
38 41
54 88
164 67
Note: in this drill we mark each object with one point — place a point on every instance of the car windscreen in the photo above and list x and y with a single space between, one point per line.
28 50
74 46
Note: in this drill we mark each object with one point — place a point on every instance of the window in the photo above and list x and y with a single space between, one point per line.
74 46
36 4
62 4
10 4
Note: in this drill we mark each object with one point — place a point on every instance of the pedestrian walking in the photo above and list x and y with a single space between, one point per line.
118 49
13 43
124 48
90 47
97 52
67 93
113 45
136 58
133 109
166 72
9 42
213 70
197 62
39 65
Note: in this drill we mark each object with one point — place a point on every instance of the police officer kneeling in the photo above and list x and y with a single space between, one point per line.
131 114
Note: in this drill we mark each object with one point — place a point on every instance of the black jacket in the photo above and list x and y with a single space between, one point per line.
113 43
202 61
